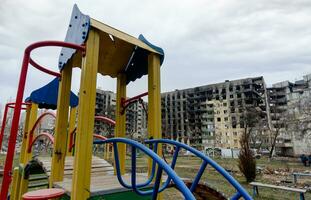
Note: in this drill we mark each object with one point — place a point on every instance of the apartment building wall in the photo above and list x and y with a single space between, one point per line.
289 105
136 116
210 115
105 106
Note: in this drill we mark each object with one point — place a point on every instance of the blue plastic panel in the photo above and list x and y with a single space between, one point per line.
138 64
46 96
77 33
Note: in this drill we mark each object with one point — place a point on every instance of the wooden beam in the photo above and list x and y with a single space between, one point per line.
120 126
154 104
32 120
61 126
154 100
85 127
121 35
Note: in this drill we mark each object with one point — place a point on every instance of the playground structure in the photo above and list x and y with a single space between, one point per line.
46 98
4 119
98 48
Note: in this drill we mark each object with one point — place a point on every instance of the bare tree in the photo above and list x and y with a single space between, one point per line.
247 163
279 122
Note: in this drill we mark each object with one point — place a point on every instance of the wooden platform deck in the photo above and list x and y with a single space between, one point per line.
102 184
103 180
99 165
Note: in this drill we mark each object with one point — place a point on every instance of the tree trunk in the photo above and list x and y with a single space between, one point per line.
273 144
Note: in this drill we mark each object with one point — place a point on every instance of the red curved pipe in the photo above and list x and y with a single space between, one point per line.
36 124
45 70
94 135
44 134
105 119
6 109
98 118
46 44
99 137
18 106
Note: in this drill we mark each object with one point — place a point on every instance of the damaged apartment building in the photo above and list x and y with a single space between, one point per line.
212 115
136 116
290 107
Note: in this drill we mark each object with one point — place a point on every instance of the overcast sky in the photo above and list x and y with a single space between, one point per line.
205 41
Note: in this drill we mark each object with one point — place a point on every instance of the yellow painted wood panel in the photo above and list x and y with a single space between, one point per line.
61 126
32 121
120 126
121 35
86 111
25 136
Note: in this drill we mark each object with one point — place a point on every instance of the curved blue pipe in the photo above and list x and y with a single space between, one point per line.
162 165
240 190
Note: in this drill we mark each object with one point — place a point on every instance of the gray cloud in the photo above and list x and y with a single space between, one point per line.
205 41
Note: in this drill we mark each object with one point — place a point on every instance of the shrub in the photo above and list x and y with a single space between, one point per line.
247 162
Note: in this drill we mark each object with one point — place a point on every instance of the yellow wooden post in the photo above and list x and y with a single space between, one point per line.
15 184
85 127
121 120
25 136
154 101
25 156
61 125
23 188
154 104
72 124
21 185
105 152
16 176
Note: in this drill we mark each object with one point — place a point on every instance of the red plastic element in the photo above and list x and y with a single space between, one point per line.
18 106
99 137
44 134
35 126
39 67
44 194
98 118
6 109
126 102
71 139
105 119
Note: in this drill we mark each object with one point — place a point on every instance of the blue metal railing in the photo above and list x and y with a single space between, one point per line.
161 166
241 192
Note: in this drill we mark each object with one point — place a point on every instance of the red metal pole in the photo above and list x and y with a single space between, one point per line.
134 98
3 125
14 129
18 106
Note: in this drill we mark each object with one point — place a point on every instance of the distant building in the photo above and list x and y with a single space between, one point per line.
211 115
136 116
105 106
290 113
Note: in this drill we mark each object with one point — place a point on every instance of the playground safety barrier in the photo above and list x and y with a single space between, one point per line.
162 165
241 192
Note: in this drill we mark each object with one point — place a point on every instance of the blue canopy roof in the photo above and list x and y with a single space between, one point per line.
46 96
